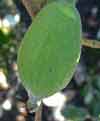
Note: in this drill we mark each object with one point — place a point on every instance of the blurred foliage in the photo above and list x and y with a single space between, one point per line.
74 113
3 38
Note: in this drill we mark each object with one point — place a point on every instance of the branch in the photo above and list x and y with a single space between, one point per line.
29 7
38 114
32 6
91 43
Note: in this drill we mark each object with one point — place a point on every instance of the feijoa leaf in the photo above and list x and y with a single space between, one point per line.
48 54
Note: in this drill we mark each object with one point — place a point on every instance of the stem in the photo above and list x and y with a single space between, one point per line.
90 43
33 7
38 114
29 7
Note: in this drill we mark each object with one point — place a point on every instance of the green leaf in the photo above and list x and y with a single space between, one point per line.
48 54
